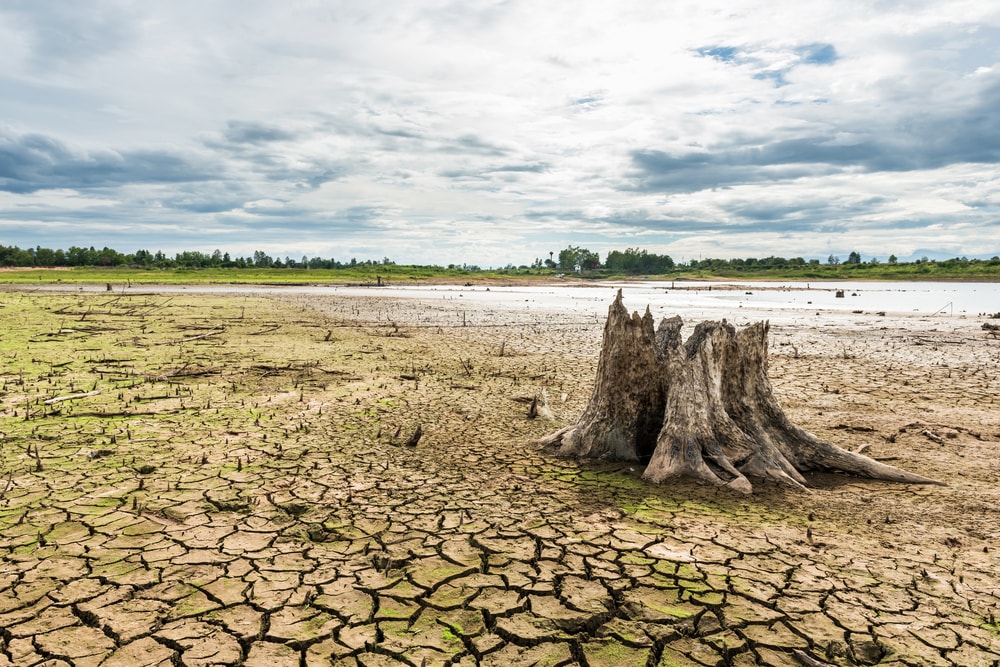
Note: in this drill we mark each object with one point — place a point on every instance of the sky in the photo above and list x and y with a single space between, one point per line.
495 132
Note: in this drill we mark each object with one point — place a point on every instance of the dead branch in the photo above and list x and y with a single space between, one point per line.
198 337
808 660
72 397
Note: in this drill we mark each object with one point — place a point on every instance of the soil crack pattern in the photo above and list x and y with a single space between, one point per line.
326 480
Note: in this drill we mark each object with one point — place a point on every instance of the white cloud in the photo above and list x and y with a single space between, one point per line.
488 133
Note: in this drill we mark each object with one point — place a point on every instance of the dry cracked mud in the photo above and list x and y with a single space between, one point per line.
199 479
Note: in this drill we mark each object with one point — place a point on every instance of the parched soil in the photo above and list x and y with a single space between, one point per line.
197 479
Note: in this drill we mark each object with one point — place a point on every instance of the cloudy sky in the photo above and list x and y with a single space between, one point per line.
493 132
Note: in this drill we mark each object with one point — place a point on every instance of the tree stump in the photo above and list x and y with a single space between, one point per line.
702 408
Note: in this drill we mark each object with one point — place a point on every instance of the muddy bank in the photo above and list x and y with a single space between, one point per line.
221 479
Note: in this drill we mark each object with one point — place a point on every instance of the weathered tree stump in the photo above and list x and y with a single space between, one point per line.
703 408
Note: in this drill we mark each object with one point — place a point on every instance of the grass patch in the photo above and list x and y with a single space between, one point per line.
450 637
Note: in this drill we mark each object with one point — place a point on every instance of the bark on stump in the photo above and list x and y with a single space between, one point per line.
703 408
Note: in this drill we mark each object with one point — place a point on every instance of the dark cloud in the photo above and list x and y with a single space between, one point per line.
304 173
809 150
275 153
358 216
658 171
248 136
485 172
525 168
243 132
801 215
470 143
32 162
399 134
930 139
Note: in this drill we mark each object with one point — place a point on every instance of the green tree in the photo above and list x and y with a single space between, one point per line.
44 256
573 257
109 257
142 258
634 261
262 259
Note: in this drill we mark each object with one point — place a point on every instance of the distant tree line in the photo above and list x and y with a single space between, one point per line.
635 261
631 261
189 259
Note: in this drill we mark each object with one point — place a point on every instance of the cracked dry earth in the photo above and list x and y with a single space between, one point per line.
221 480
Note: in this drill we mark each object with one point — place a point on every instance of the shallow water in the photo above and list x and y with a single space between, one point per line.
787 300
712 298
